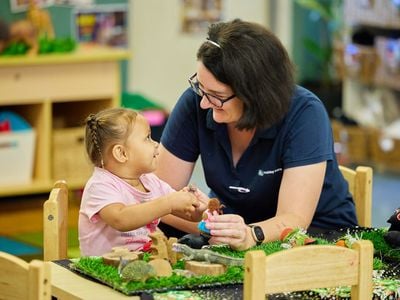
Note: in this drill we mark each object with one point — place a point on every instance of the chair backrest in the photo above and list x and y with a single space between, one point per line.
360 186
55 223
308 267
22 280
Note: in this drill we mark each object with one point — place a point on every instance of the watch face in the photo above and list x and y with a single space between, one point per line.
258 232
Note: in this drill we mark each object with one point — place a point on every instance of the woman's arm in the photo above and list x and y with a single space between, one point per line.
177 173
299 193
298 198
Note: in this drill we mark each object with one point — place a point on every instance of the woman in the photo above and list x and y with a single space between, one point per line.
266 144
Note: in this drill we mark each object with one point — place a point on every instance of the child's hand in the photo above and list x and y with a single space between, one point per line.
202 202
183 204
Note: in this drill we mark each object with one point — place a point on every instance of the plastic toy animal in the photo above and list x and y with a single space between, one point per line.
206 255
20 32
137 270
392 237
40 19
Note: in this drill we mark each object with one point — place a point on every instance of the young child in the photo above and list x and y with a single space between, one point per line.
123 201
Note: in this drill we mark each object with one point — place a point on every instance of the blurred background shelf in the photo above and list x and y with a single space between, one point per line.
55 93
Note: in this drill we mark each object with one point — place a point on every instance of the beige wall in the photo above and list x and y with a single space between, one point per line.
163 57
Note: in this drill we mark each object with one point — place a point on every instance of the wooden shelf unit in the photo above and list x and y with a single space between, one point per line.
57 91
381 19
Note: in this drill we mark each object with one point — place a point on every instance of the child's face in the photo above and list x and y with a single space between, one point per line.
142 150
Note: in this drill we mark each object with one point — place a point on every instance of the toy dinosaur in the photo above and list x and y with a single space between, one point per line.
206 255
392 237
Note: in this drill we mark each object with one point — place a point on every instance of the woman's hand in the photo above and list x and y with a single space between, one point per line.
230 229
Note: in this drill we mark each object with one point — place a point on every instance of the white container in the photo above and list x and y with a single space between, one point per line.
17 151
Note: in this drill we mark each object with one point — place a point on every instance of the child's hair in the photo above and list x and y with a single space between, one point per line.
105 128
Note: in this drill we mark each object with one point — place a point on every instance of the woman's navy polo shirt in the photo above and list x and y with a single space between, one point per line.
251 188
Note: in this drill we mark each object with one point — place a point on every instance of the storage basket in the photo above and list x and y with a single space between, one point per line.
385 152
388 71
353 141
70 161
356 61
17 149
381 13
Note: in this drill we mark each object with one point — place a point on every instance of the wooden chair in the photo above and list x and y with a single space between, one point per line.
22 280
55 223
360 186
308 267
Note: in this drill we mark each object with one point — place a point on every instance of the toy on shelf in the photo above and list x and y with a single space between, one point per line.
32 35
40 19
18 38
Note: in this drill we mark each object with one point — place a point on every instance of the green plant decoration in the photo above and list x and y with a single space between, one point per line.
330 12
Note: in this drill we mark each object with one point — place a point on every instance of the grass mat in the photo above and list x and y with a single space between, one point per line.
386 271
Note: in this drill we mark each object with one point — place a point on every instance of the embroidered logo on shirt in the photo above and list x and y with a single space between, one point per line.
269 172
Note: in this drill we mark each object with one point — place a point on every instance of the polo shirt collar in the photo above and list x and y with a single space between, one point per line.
269 133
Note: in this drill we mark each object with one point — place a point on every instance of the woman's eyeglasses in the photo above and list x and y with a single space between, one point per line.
214 100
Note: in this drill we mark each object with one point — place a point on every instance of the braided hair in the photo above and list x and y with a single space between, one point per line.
106 128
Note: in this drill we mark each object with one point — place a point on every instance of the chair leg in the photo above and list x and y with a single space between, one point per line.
254 276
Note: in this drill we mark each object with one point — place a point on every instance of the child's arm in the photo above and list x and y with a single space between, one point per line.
131 217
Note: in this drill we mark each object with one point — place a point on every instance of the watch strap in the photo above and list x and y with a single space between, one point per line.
257 234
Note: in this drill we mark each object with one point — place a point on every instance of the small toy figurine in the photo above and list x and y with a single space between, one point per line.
21 34
392 237
137 270
40 19
295 237
214 207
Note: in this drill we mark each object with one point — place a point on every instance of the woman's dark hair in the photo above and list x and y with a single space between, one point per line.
254 63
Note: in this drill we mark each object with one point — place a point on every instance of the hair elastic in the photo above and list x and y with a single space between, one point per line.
214 43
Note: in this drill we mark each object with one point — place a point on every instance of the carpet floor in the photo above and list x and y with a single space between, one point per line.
30 245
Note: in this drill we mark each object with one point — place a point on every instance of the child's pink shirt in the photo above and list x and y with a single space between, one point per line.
102 189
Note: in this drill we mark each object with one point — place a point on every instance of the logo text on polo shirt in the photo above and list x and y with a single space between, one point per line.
269 172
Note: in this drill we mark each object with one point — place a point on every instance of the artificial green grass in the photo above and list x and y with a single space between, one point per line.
94 267
385 281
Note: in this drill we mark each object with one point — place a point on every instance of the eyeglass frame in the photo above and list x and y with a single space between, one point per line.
195 85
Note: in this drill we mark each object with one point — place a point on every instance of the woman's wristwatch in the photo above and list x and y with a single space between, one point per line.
257 233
